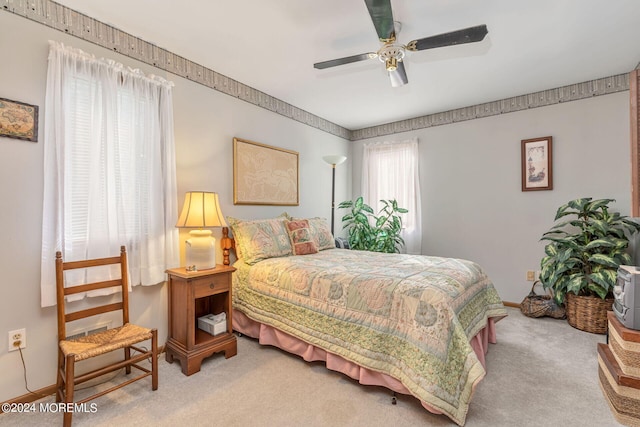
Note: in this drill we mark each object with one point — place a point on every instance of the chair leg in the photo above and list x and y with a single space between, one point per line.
69 384
127 356
154 359
59 377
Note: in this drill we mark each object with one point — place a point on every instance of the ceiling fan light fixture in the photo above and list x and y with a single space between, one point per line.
391 54
391 64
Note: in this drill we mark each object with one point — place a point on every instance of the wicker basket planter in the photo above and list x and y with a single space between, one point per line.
588 314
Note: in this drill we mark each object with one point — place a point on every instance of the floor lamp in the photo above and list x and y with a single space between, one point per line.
333 161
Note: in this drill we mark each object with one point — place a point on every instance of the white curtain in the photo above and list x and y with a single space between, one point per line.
390 171
109 169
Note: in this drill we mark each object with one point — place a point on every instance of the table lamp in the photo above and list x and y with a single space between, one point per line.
201 210
333 161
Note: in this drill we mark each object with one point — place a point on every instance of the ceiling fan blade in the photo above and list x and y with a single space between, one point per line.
468 35
398 77
382 17
346 60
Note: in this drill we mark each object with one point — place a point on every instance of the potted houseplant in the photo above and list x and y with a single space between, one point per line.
369 232
582 259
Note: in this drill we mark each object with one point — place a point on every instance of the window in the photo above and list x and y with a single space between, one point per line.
390 171
109 168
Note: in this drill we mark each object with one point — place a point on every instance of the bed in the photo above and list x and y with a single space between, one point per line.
417 325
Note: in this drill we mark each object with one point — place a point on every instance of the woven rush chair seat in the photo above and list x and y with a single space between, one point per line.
104 342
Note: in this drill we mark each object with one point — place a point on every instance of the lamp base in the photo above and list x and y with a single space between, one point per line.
200 250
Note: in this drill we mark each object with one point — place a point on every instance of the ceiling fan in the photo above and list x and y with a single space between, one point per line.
392 53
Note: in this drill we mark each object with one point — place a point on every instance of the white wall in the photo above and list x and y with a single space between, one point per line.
472 203
205 123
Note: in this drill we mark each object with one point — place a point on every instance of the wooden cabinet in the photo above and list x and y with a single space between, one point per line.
192 295
619 371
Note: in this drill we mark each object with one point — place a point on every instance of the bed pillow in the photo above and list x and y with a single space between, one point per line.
260 239
285 215
302 242
320 233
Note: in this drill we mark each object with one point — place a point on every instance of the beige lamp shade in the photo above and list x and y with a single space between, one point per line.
201 209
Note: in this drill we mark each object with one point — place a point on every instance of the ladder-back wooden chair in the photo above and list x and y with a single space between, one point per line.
123 337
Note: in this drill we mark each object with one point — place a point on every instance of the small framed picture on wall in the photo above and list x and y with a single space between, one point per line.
18 120
537 169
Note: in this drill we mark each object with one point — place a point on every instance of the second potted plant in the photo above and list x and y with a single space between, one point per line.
368 232
582 259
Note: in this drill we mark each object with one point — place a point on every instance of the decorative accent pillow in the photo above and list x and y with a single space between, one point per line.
300 235
320 233
260 239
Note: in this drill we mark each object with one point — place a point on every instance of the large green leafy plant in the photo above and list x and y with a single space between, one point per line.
585 250
370 232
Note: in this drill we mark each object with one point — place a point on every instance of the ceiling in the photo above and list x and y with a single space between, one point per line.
532 45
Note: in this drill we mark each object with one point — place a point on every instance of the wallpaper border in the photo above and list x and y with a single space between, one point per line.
69 21
573 92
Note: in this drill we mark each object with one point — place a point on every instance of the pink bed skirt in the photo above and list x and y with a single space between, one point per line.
268 335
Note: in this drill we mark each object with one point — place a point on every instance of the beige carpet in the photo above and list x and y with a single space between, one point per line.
542 372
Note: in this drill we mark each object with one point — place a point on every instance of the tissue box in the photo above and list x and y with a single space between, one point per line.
213 324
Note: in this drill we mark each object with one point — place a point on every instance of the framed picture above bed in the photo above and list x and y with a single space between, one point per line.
264 175
537 172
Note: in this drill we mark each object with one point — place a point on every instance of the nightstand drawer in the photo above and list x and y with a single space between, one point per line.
210 285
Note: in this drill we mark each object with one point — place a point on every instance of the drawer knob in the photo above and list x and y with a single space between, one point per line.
211 286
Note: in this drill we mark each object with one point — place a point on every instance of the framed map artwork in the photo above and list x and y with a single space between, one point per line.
537 172
18 120
264 175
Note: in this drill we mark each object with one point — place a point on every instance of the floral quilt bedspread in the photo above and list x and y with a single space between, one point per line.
408 316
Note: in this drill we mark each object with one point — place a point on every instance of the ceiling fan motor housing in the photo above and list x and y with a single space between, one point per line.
391 54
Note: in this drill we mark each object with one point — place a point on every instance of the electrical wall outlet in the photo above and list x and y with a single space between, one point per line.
531 276
17 339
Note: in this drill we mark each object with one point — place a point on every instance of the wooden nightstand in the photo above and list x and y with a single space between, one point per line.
192 295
